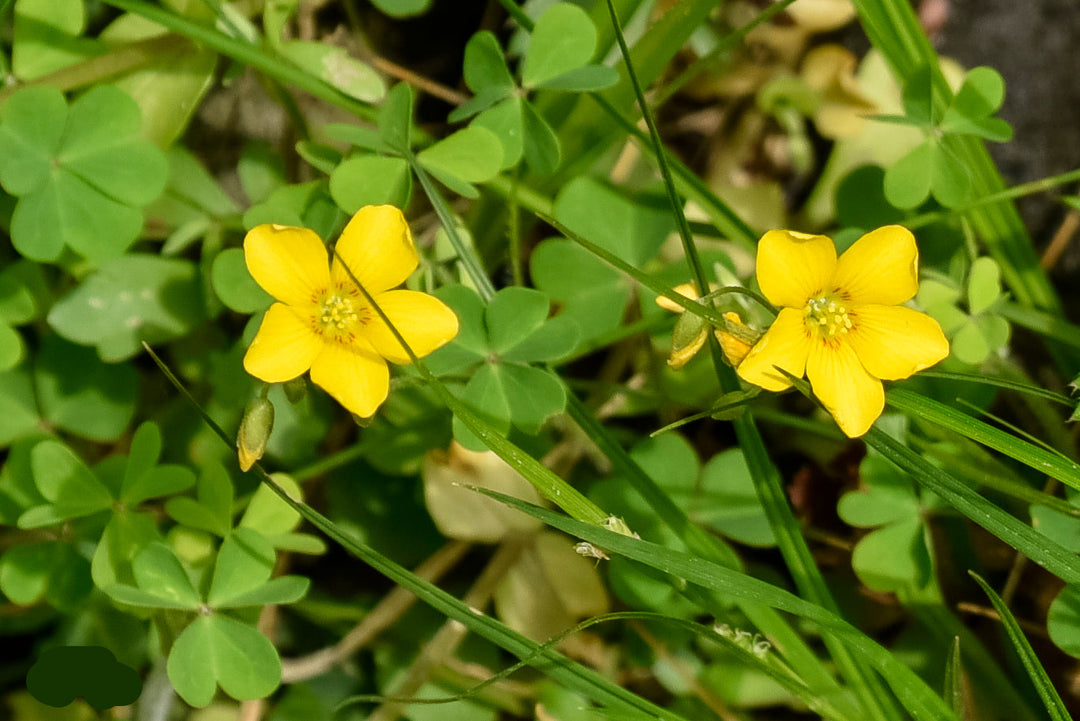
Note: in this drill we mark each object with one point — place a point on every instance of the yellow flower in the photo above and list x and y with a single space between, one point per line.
841 322
322 321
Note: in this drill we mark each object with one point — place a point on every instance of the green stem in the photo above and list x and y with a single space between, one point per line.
465 253
1016 191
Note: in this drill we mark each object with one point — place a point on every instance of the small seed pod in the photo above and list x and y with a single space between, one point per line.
255 428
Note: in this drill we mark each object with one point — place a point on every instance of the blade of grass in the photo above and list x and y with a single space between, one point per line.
1041 459
920 700
1026 388
702 544
1055 707
1036 546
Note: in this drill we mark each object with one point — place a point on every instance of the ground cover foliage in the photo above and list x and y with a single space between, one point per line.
539 444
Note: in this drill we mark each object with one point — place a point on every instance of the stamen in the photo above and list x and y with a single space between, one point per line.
337 314
829 316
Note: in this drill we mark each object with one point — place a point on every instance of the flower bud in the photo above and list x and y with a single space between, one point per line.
687 339
736 339
255 428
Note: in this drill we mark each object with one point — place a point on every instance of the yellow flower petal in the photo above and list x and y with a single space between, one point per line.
284 347
377 247
423 320
846 389
794 267
786 345
289 263
881 267
893 342
355 375
686 290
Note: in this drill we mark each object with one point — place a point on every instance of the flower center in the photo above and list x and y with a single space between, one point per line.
829 317
337 313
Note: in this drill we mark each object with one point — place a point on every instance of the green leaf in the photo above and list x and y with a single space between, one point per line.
586 79
908 180
286 589
485 67
1063 620
371 180
564 39
984 284
402 8
395 119
131 300
894 557
50 570
101 146
79 393
333 64
65 481
981 95
12 348
219 651
158 572
245 562
601 214
727 501
365 138
267 513
190 181
949 179
125 535
23 292
32 125
142 455
534 395
234 285
213 510
591 293
261 170
554 340
506 121
513 315
48 37
473 154
20 417
918 98
68 211
540 143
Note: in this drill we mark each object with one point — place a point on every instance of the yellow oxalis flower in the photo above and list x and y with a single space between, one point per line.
841 322
323 323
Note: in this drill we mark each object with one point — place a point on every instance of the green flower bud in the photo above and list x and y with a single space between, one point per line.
295 390
255 428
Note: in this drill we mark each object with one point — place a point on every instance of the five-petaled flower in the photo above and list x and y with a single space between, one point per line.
323 322
841 322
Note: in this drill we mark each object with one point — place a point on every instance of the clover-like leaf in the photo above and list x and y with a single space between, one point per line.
896 554
1063 620
563 39
211 510
131 300
234 285
49 570
371 180
505 119
540 144
485 67
125 535
473 154
245 562
220 651
512 315
630 229
592 293
64 480
81 173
